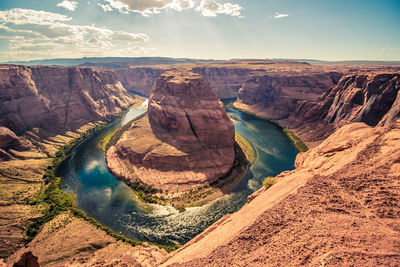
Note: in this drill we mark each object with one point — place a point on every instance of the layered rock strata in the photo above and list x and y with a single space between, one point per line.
277 94
340 207
139 79
372 98
58 99
42 109
186 141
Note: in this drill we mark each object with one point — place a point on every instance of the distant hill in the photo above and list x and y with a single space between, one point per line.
109 62
317 61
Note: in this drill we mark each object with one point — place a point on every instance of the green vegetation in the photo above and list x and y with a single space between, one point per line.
246 147
269 181
54 201
107 138
299 144
296 141
233 117
116 135
230 105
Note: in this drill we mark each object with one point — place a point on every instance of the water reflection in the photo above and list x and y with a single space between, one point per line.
114 204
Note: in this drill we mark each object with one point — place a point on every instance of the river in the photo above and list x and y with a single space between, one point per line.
97 192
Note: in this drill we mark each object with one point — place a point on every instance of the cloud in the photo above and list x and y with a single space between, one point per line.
20 16
279 15
106 8
30 32
148 7
69 5
208 8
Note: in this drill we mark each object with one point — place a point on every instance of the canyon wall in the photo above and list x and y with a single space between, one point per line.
58 99
42 109
369 98
226 81
314 105
278 93
139 79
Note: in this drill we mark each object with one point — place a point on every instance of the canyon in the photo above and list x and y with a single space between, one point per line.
43 109
186 142
338 207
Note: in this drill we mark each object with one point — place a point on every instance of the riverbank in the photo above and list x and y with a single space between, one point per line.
54 201
200 196
50 202
297 141
106 139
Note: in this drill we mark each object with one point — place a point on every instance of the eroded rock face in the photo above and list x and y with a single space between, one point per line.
315 105
8 140
186 141
139 79
371 98
340 207
277 94
58 99
185 111
226 81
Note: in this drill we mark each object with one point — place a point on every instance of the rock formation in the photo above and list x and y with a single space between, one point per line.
226 80
27 260
277 94
42 109
187 140
139 79
368 98
320 103
340 207
58 99
9 141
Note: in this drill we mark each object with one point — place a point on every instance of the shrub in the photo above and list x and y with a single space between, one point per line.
269 181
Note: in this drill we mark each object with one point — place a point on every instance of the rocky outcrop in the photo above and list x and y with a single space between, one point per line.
277 94
187 140
8 140
58 99
42 109
27 260
139 79
370 98
225 80
340 207
69 241
320 103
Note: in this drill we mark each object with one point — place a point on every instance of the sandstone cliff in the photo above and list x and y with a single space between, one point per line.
57 99
139 79
368 98
277 94
340 207
315 105
224 79
187 140
42 109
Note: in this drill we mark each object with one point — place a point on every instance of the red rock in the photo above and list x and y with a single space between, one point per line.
58 99
339 208
187 140
27 260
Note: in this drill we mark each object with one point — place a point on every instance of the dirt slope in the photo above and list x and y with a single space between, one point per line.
339 207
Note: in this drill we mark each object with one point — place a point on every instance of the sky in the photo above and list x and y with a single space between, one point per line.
203 29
